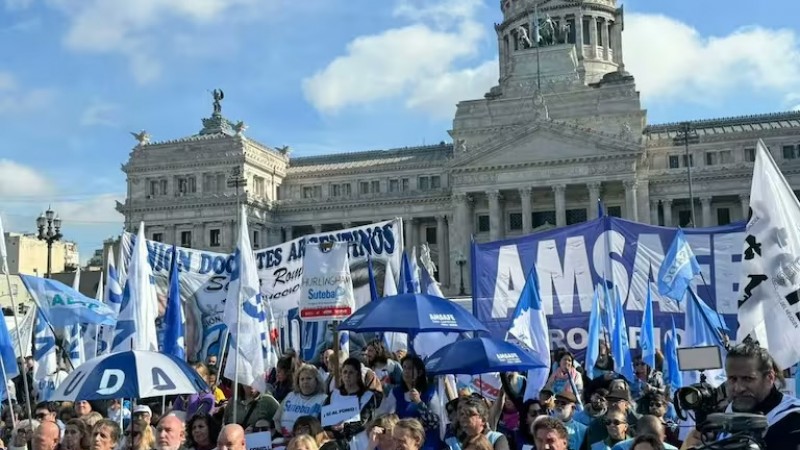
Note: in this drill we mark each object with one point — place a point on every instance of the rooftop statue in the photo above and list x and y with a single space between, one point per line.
143 137
218 96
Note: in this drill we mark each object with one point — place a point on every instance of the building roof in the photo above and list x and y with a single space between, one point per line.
374 159
738 124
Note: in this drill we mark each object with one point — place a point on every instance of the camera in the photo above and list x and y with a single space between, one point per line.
734 431
702 399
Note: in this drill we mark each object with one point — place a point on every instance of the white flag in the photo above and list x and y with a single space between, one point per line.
91 333
136 325
252 353
3 252
73 334
112 298
394 341
768 306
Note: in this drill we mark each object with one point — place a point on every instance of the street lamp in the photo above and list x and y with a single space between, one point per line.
461 261
49 225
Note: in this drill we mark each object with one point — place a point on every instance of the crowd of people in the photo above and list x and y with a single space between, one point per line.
400 409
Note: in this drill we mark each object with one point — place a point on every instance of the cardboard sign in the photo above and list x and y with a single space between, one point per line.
259 441
341 410
327 287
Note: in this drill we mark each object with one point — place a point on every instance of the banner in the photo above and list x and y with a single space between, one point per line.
571 261
204 276
327 292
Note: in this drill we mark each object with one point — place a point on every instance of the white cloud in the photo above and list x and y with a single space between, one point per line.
14 99
96 209
100 113
18 180
672 60
407 61
130 28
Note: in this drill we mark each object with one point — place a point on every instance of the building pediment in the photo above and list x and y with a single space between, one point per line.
544 142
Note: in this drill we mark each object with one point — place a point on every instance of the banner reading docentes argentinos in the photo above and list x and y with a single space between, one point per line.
571 261
204 276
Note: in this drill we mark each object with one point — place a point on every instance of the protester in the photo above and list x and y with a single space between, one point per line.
232 437
82 408
473 422
388 371
302 442
77 435
616 423
380 432
46 436
565 378
140 436
105 435
408 434
352 384
550 433
170 433
415 398
22 435
251 407
306 399
201 432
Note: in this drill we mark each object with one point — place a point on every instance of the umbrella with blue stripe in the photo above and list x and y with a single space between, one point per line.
132 374
481 355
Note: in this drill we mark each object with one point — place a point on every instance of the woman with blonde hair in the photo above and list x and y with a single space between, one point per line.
408 434
139 436
380 432
302 442
306 399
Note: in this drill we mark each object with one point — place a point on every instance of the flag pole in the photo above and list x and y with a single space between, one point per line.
19 337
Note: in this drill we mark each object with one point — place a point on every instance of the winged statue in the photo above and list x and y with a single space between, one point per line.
143 137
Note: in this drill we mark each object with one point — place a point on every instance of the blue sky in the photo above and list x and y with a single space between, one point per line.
319 75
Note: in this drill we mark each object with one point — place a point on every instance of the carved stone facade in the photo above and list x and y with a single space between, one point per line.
563 128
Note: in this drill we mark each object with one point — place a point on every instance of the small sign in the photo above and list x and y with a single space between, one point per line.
342 410
259 441
327 287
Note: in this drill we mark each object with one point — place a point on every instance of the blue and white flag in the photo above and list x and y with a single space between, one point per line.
112 298
609 312
8 357
406 283
173 316
63 306
679 267
703 328
647 339
136 324
529 330
91 332
394 341
426 344
44 353
593 341
673 373
620 347
246 317
73 334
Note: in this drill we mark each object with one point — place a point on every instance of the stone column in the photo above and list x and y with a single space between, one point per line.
705 203
654 212
617 30
419 233
593 36
579 34
462 233
561 204
441 249
594 197
744 199
527 210
631 206
408 231
666 205
495 216
604 33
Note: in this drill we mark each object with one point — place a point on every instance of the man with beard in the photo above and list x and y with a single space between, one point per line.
596 408
564 411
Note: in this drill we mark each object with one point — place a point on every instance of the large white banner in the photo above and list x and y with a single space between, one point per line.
327 292
204 276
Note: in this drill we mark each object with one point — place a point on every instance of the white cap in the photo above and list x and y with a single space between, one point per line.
142 409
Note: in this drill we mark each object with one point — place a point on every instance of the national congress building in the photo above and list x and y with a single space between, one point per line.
563 127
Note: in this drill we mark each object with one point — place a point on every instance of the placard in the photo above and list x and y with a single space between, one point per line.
342 410
259 441
327 287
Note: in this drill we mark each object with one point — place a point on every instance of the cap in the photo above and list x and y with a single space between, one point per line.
619 393
566 396
142 409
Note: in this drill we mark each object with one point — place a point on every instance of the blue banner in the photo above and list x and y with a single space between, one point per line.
571 261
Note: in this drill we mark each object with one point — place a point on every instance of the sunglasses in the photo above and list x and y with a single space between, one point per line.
615 423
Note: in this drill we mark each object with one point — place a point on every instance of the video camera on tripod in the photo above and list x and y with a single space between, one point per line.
729 431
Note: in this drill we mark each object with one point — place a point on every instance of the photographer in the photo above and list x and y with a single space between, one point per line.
751 387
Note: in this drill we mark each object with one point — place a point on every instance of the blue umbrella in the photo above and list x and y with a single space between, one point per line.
480 355
412 313
131 374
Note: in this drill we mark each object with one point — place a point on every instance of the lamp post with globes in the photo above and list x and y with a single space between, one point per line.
49 225
461 261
